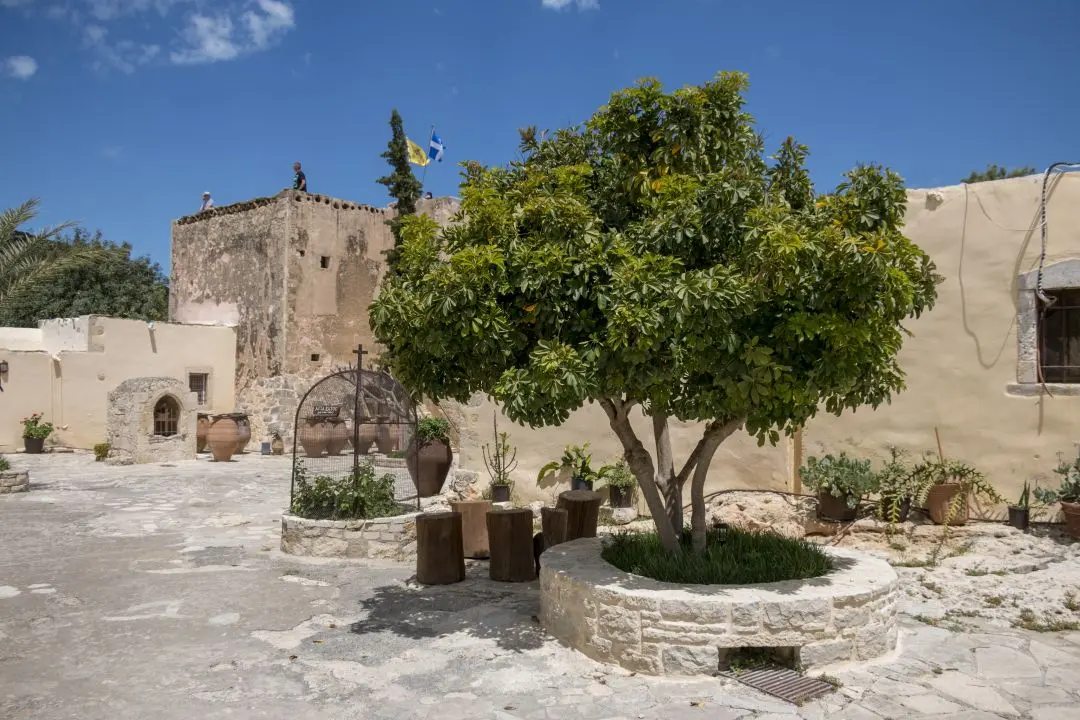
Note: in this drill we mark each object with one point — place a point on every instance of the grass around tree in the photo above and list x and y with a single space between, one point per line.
732 557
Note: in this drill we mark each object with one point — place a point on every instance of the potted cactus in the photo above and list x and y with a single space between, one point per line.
1020 512
500 460
1067 495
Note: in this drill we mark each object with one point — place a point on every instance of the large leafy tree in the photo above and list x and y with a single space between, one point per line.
32 262
401 182
115 285
653 259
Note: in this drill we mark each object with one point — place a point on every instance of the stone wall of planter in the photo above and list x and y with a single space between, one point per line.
392 538
13 481
665 629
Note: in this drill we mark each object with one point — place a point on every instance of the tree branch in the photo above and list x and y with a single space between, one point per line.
710 441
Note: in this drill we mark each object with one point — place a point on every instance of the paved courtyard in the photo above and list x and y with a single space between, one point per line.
158 591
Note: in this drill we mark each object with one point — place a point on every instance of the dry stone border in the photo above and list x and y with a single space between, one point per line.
390 538
14 481
664 629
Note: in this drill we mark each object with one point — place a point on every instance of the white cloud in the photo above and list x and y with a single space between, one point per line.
20 67
123 55
212 39
581 4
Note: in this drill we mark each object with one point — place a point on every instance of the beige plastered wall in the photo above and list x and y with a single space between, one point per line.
70 385
960 364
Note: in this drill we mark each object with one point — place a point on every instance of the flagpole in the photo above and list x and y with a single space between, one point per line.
423 178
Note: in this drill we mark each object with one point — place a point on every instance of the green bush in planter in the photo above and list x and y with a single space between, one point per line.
1068 491
101 451
359 495
4 464
433 429
898 484
620 476
34 429
841 477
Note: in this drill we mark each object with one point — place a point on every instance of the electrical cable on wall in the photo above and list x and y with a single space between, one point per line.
1045 300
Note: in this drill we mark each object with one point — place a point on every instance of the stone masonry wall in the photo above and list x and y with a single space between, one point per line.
664 629
392 538
13 481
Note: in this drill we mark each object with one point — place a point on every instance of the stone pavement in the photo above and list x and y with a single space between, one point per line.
158 592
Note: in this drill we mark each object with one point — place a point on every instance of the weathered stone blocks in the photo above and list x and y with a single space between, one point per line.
13 481
392 538
664 629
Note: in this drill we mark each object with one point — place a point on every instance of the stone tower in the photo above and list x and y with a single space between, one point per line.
296 274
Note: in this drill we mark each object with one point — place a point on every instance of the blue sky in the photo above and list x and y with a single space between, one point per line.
119 113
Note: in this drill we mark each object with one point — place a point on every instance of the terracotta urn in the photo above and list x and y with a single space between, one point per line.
222 437
937 504
202 427
1071 511
338 437
428 466
243 432
314 437
277 446
384 437
369 433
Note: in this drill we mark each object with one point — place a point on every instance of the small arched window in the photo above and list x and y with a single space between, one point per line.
166 417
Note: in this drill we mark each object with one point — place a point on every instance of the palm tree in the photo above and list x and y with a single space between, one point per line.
28 261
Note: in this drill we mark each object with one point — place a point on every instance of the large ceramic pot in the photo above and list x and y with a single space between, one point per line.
1071 511
500 493
222 437
243 432
34 446
338 437
369 433
937 504
384 437
277 446
835 508
202 427
314 437
428 466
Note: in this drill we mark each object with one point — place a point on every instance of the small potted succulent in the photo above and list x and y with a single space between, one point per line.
34 433
500 461
897 487
945 486
620 482
840 483
578 460
1067 494
1020 512
428 456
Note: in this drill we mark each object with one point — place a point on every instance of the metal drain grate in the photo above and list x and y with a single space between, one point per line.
782 683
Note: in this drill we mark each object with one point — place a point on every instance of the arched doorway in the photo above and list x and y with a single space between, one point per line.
166 416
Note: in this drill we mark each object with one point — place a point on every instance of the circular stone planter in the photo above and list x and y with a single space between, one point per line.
659 628
13 481
390 538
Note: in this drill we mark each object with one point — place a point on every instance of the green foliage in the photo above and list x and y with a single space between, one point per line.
4 464
433 429
101 451
500 459
114 285
360 495
842 477
31 262
1068 491
1025 497
401 183
653 258
620 476
732 557
34 428
578 460
897 484
934 470
995 172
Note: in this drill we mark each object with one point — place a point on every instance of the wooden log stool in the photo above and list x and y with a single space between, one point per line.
582 512
473 526
510 536
440 553
554 522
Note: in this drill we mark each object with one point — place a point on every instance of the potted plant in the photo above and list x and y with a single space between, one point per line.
1020 512
101 451
945 486
34 433
1067 494
897 487
578 460
841 483
500 461
429 456
620 482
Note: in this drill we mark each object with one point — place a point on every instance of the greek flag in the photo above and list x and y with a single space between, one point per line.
435 150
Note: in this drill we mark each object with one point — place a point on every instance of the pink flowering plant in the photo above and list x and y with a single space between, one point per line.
35 429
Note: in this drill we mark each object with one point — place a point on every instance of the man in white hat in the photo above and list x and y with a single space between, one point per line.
207 202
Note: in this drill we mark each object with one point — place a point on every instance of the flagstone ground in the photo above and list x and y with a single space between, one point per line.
159 592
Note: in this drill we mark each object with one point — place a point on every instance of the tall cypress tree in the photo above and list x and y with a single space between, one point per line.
402 184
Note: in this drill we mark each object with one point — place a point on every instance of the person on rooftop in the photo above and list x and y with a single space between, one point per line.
299 179
207 202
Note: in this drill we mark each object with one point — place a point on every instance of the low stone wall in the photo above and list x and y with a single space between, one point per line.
391 538
664 629
13 481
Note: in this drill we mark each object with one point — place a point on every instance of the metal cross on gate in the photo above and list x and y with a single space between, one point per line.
359 352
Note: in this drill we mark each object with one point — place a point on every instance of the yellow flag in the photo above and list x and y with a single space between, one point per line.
417 156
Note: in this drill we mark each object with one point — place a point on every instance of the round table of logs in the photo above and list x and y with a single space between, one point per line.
510 536
473 526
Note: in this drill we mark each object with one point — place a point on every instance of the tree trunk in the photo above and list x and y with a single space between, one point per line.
665 473
714 436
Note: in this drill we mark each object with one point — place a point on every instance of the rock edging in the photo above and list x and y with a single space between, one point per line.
389 538
659 628
13 481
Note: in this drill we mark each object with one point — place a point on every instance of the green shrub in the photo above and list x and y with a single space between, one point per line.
842 477
731 557
4 464
360 495
620 476
433 429
101 451
35 429
1069 490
